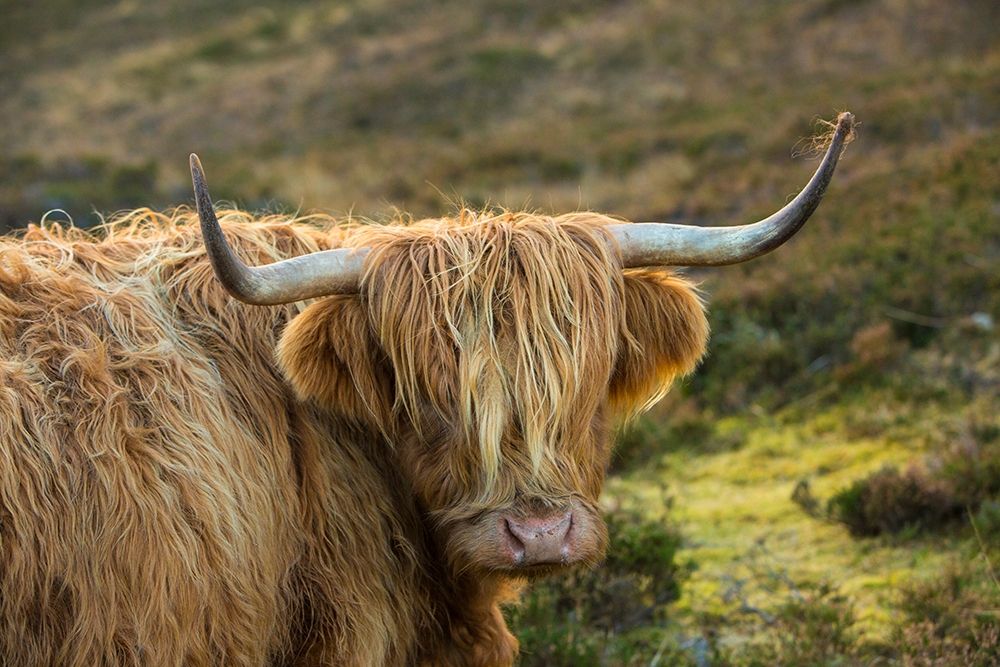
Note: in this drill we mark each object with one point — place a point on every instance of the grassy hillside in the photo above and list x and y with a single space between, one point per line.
870 340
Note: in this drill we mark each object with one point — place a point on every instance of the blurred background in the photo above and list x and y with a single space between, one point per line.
826 489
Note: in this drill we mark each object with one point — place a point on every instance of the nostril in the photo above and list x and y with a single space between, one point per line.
511 541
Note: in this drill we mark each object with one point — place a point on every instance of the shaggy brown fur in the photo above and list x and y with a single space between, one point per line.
173 492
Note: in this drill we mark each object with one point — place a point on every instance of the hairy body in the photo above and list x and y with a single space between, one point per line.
172 491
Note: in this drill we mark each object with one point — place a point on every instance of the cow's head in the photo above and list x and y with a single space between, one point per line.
496 351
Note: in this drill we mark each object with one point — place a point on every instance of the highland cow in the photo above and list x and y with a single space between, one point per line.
357 470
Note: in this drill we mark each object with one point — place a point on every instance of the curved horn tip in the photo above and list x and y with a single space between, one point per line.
845 126
197 175
845 119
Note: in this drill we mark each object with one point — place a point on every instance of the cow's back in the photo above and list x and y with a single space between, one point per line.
151 486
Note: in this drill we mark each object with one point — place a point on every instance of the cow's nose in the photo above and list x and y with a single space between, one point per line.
538 540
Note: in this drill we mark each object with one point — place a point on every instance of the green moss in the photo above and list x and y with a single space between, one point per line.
222 49
504 66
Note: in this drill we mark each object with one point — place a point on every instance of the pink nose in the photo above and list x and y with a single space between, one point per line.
538 541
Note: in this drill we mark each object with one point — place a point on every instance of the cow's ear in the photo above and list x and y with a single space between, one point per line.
330 356
664 335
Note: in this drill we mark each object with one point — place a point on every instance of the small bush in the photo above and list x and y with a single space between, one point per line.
580 619
889 501
924 495
874 349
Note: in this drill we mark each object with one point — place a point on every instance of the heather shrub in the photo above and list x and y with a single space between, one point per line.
925 494
889 500
949 621
814 628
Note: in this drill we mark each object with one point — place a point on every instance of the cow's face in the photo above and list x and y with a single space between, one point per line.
495 356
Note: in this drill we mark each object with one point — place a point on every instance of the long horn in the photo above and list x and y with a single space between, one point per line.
304 277
663 244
